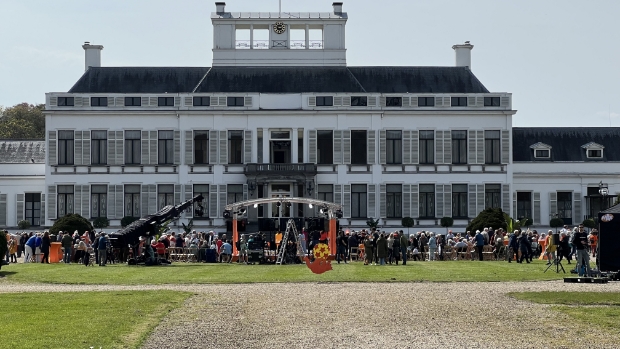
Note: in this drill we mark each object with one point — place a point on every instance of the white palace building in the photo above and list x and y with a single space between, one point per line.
286 116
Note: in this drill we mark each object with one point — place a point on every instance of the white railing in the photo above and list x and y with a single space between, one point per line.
264 44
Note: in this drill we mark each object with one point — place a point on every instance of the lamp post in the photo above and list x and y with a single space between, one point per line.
603 189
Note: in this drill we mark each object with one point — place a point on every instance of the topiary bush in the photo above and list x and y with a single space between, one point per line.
556 223
446 222
127 220
408 222
589 223
101 222
23 224
371 223
490 217
71 223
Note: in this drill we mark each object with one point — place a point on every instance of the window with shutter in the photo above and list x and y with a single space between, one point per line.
337 101
145 157
222 198
514 205
177 194
382 101
473 210
337 147
213 142
312 146
536 214
213 212
223 147
77 160
346 198
382 147
372 101
42 221
415 147
53 101
189 141
577 207
480 147
505 147
85 200
79 101
111 204
346 146
471 147
77 201
51 148
406 200
439 147
120 155
372 200
248 101
371 147
312 101
338 194
406 147
222 101
153 153
382 201
506 198
505 102
553 204
447 147
439 204
177 147
19 207
51 202
415 206
480 198
145 200
447 200
247 146
118 202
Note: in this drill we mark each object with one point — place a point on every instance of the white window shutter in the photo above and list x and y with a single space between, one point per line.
346 146
447 101
144 147
372 101
553 203
447 147
53 101
406 200
221 101
152 198
471 101
471 196
214 101
42 208
382 101
337 101
77 200
471 147
382 201
415 147
405 101
577 207
177 101
346 198
372 200
213 136
111 148
118 199
177 147
52 152
447 200
189 190
77 144
439 200
144 200
177 194
406 147
504 102
536 210
439 147
77 101
212 201
247 146
506 198
111 102
480 198
346 101
144 101
382 147
119 101
438 101
120 145
112 201
189 142
85 154
3 212
51 202
312 101
20 202
189 101
153 101
312 146
247 101
223 147
480 147
338 198
415 201
370 153
222 197
337 147
85 201
514 205
153 138
479 101
505 147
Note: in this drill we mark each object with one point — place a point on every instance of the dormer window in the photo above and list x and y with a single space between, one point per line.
541 150
593 150
65 101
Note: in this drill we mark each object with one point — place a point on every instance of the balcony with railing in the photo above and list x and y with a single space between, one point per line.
278 44
280 170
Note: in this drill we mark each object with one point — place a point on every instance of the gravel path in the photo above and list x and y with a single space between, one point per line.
363 315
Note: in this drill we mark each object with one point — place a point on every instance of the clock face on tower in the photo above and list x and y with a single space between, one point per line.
279 27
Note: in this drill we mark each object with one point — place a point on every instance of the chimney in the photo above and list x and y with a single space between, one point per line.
463 54
337 7
220 7
93 55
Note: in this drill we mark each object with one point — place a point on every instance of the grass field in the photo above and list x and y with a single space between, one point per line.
600 309
199 273
83 319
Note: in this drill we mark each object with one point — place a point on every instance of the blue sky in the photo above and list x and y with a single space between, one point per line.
559 58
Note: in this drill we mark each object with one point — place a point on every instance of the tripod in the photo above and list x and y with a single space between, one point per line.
557 263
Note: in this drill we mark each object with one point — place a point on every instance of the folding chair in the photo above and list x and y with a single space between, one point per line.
354 253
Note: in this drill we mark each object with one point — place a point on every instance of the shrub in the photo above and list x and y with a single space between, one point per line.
408 222
372 224
127 220
101 222
447 222
556 222
71 223
589 223
190 225
526 222
23 224
490 217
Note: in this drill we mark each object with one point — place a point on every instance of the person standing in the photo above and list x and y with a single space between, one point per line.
103 246
403 246
301 239
550 247
29 248
67 244
479 243
341 250
45 247
580 242
13 249
368 250
524 243
382 249
396 248
432 247
513 246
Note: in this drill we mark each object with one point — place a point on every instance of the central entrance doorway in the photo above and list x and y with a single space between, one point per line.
280 191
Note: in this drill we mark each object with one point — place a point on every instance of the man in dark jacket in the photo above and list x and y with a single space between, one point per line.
382 249
525 247
103 246
479 243
96 247
67 244
403 246
513 246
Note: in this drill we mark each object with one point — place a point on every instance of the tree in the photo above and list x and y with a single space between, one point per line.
101 222
490 217
407 222
71 223
22 121
446 222
556 223
589 223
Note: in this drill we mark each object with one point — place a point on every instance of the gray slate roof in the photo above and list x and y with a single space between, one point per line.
566 142
22 151
279 80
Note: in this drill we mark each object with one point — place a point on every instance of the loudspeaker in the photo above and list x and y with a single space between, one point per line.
556 239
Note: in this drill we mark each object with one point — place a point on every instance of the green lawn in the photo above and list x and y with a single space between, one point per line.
83 319
181 273
589 308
